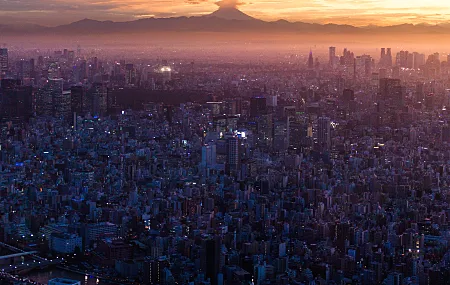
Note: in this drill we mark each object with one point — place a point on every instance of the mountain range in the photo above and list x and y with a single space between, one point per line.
225 19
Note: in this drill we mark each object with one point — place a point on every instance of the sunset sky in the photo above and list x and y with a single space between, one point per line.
354 12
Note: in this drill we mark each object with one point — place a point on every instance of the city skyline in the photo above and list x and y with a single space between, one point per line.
351 12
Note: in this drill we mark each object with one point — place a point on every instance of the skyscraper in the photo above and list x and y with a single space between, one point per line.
310 60
61 100
99 95
209 155
130 76
332 55
48 96
77 94
232 162
258 106
324 133
3 60
383 54
348 95
16 102
386 87
210 260
389 57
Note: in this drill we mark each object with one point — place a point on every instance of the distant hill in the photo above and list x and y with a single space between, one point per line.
225 19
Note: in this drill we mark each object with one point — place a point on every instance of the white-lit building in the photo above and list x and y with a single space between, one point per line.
65 243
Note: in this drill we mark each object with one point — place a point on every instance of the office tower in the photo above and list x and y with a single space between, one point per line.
232 158
71 56
166 74
420 92
130 74
76 96
23 69
32 68
281 135
82 71
396 72
48 95
272 101
410 61
367 66
61 103
347 58
153 270
398 94
383 55
332 56
348 95
298 133
258 106
387 88
209 155
211 259
264 133
99 97
324 133
16 101
429 101
402 59
382 73
388 58
3 60
419 60
168 113
310 60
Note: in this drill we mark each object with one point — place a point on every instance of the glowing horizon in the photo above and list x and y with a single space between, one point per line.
351 12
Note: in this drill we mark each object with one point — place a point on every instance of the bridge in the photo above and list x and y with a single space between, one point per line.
38 262
17 255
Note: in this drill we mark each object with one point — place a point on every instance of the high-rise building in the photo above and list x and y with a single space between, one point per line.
16 101
298 133
383 55
324 133
332 55
281 135
386 88
258 106
76 97
153 270
310 60
99 96
396 72
209 155
389 57
420 92
62 104
3 60
419 60
348 95
130 76
210 258
55 92
24 70
232 162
